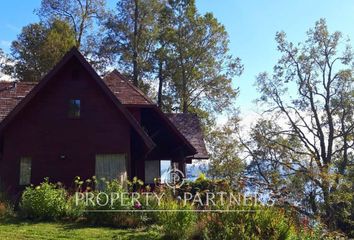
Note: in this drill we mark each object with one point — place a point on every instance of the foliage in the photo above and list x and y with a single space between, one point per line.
38 48
178 221
52 202
203 185
199 64
108 216
6 207
170 41
78 14
225 151
258 223
130 37
4 62
44 202
302 150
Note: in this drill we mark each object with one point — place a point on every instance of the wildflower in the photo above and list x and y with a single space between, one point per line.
137 205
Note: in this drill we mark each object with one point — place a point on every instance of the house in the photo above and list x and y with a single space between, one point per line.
74 123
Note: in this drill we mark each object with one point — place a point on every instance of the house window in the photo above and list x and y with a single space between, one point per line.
152 171
74 108
165 170
111 166
25 170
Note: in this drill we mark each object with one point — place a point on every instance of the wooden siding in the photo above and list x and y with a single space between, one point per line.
62 148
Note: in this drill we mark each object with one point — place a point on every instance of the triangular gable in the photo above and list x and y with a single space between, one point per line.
71 54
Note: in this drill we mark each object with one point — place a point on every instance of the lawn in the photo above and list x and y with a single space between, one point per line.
14 229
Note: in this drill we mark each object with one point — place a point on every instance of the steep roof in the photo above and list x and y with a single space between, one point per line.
125 91
189 125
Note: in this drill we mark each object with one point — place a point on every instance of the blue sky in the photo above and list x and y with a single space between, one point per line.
251 25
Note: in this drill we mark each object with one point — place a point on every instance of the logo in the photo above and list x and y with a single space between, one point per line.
176 179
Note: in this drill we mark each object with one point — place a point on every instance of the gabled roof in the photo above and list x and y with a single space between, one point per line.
125 91
31 93
189 125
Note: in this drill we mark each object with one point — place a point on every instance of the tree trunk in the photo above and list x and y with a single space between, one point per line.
135 45
184 91
159 94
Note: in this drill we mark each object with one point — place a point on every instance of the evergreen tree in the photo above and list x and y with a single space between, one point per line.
38 48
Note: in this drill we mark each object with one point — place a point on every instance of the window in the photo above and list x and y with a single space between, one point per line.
165 170
152 171
111 166
25 170
74 108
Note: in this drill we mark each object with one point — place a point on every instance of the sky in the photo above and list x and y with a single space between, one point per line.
251 25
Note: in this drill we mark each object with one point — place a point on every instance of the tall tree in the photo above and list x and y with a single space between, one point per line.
131 37
79 14
310 95
201 67
38 48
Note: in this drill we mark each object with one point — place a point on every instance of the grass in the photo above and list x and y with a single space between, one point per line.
11 229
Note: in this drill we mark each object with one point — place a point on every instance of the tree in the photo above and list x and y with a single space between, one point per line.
131 37
225 149
38 48
3 60
79 14
4 63
200 66
310 97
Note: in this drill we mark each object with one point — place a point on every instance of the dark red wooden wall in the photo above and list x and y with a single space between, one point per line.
44 132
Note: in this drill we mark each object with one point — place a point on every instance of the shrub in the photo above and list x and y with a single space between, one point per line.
248 223
6 208
74 211
107 216
44 202
176 224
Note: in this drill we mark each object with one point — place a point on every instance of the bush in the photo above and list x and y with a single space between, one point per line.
123 219
248 223
74 211
6 208
176 224
44 202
